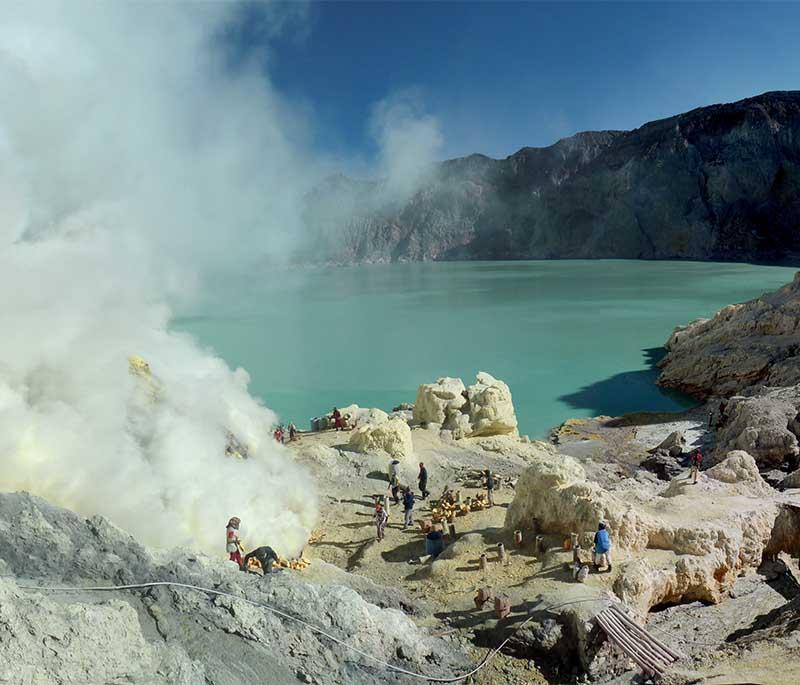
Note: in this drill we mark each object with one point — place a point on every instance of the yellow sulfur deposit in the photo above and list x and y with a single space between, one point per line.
299 564
139 367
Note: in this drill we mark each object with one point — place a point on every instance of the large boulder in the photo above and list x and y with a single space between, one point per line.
491 409
436 402
483 409
673 444
555 492
740 470
392 436
763 425
665 466
361 415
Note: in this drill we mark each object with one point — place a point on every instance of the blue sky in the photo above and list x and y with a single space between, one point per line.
499 76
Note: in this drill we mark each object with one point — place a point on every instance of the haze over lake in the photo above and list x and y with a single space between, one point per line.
571 338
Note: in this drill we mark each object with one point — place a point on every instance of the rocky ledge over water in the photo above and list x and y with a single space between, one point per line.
745 361
715 183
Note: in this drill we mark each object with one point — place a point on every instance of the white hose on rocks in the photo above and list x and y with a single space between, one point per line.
320 631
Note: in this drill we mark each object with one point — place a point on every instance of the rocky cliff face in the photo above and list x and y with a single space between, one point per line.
749 355
718 182
742 346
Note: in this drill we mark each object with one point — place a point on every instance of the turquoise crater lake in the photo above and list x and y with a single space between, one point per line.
571 338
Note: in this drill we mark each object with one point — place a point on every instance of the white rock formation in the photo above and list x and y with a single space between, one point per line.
716 529
491 409
740 471
765 425
361 415
393 436
436 402
485 408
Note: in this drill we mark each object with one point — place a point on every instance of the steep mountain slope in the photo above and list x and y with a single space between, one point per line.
718 182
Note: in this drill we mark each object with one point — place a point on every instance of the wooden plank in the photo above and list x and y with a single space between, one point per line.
644 646
617 635
644 665
655 664
635 626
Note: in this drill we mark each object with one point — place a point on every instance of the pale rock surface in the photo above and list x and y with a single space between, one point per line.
459 426
743 345
484 409
437 401
764 425
43 641
740 470
491 409
674 444
362 415
714 530
392 436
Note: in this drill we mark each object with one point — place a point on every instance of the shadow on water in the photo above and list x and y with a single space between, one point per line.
629 391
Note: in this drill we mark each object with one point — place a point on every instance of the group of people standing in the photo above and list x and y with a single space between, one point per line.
408 498
280 434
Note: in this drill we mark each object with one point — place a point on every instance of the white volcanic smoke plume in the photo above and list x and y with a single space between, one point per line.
128 154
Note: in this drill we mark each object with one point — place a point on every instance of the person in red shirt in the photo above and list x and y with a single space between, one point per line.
232 543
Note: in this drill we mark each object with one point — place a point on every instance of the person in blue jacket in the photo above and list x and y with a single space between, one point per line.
602 548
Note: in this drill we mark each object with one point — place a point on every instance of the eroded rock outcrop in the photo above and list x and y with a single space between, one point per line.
740 472
764 425
714 530
437 402
491 409
743 345
483 409
393 436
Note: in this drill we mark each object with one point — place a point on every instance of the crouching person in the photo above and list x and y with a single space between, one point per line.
602 548
263 555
